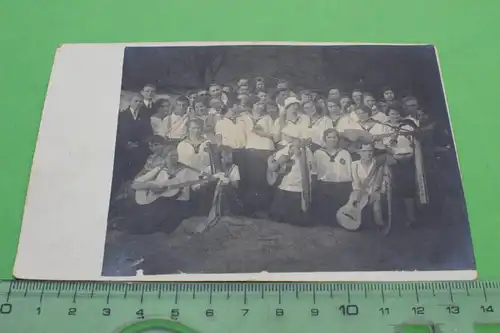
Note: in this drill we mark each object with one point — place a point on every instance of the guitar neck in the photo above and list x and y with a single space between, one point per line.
189 183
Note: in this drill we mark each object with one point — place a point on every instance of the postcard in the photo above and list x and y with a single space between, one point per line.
245 161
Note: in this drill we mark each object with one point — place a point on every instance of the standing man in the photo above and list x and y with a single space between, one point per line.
149 93
131 148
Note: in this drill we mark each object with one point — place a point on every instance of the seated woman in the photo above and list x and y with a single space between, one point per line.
401 149
333 166
167 211
290 199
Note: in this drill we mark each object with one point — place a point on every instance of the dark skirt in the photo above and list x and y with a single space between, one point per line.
403 179
328 198
255 192
286 208
162 215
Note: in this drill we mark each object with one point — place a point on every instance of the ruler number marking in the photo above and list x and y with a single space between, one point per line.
210 313
39 311
245 311
140 314
280 312
174 314
349 310
453 309
487 308
314 312
72 312
384 311
106 312
418 310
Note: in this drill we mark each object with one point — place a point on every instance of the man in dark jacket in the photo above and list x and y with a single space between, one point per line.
131 149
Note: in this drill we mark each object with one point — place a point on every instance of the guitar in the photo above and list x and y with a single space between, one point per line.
172 189
349 215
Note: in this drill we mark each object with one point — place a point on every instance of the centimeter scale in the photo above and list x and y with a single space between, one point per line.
62 307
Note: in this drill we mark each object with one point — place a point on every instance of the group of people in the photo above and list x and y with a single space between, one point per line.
227 140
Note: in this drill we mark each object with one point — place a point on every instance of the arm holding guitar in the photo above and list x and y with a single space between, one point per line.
276 163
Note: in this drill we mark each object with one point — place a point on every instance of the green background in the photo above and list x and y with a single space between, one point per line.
465 33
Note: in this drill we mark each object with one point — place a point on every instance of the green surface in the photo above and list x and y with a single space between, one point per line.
249 308
465 33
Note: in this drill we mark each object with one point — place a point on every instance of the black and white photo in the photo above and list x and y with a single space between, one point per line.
262 161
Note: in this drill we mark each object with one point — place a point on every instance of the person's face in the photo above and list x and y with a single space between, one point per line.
334 94
362 115
314 96
135 102
155 147
226 89
243 82
292 112
227 157
309 109
306 97
262 95
216 104
181 105
411 105
244 89
383 107
203 93
200 108
356 97
192 97
172 157
370 101
331 140
194 130
258 109
215 91
243 98
394 116
389 95
284 94
334 109
164 108
260 85
148 92
421 115
344 101
272 110
366 154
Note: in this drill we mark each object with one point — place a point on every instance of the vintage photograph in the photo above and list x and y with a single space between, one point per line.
289 158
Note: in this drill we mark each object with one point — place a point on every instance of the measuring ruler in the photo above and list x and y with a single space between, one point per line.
63 307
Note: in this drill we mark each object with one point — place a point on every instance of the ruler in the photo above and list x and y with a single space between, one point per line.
62 307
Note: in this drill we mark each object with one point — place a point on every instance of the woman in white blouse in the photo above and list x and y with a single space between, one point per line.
160 118
192 150
317 125
333 166
259 146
